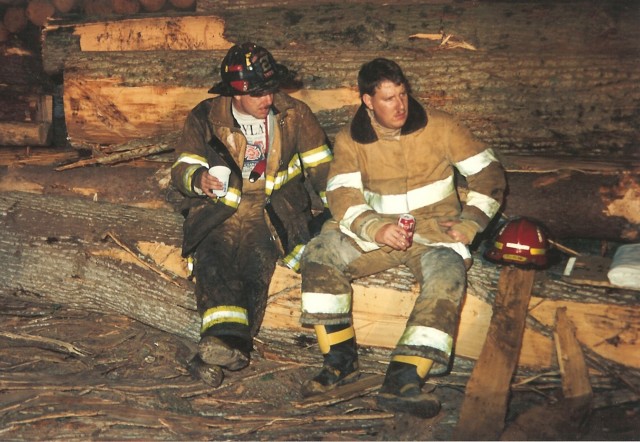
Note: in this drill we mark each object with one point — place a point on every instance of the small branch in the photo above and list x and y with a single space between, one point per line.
47 343
142 262
119 157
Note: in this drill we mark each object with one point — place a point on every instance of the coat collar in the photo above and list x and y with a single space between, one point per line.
362 131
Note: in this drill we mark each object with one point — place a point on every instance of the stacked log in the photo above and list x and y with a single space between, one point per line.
538 84
107 257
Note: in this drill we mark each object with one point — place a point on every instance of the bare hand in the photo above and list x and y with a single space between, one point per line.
209 183
454 234
393 236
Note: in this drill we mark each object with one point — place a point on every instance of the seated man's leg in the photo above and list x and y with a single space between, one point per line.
329 264
231 309
326 304
427 341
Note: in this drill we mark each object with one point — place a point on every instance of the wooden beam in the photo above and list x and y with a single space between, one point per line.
484 409
573 368
562 419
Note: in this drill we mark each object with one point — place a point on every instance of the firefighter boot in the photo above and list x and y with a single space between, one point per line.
338 346
211 375
402 387
228 352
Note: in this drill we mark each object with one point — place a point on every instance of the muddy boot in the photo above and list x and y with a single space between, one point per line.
402 389
338 345
211 375
228 352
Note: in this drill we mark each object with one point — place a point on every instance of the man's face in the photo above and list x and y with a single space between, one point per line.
257 107
389 104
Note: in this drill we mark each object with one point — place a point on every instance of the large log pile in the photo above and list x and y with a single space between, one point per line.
539 83
554 87
101 256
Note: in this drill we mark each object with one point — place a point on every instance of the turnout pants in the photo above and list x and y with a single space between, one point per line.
233 267
331 261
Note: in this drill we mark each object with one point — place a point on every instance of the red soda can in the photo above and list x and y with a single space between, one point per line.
408 224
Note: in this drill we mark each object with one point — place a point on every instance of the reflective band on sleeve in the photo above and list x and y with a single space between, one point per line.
232 198
486 204
352 213
224 313
351 180
412 200
317 156
187 179
292 260
476 163
418 335
284 176
326 303
187 158
423 365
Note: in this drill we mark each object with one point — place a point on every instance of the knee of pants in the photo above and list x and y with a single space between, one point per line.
330 248
443 264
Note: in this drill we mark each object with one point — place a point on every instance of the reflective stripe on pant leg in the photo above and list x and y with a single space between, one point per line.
222 314
326 288
434 319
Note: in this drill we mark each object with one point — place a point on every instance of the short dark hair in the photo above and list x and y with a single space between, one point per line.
377 71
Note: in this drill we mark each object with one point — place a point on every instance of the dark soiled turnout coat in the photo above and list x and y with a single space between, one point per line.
298 151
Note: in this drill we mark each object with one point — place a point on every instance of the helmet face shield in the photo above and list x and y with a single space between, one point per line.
249 69
520 242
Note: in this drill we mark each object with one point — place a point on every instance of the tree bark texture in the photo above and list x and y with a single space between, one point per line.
557 78
527 103
100 256
572 199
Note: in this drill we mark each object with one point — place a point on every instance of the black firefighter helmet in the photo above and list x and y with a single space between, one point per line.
249 69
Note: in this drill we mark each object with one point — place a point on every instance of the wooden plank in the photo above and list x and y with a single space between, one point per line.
484 409
562 419
573 368
609 330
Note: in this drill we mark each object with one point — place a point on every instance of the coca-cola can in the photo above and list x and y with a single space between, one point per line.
408 224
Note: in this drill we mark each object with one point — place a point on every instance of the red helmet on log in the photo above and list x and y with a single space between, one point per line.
521 242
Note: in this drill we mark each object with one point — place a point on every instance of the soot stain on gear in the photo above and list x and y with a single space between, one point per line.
303 341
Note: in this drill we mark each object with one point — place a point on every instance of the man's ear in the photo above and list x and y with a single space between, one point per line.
367 100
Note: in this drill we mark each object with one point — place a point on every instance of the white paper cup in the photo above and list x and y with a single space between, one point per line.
222 173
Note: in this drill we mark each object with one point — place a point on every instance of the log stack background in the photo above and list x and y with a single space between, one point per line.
553 85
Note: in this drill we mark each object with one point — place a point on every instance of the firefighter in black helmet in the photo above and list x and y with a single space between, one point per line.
235 231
